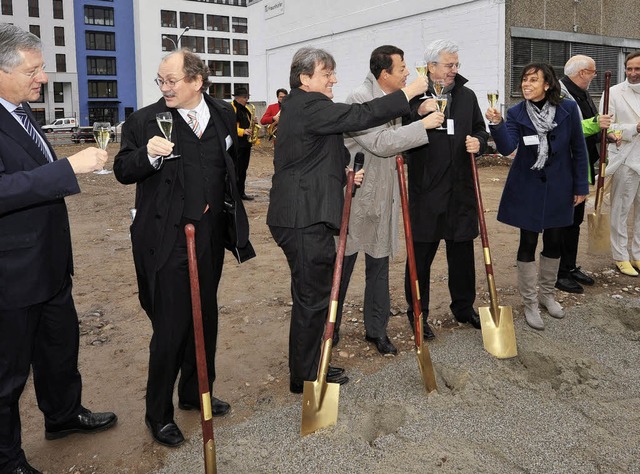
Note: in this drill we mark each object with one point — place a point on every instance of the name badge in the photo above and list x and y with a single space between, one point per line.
228 141
531 140
450 127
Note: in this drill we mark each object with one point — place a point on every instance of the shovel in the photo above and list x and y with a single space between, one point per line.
498 332
598 223
319 398
422 351
206 414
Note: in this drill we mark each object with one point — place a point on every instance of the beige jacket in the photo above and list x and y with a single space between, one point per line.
624 104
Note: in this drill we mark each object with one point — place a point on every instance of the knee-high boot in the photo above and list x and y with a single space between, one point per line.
527 277
547 280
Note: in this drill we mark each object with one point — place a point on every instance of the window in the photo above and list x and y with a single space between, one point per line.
102 16
169 42
238 25
58 92
240 47
34 30
194 21
7 7
241 69
220 91
194 43
217 23
58 10
58 112
556 53
220 68
58 35
168 19
38 114
61 63
219 46
98 66
103 89
34 8
99 40
242 84
103 114
237 3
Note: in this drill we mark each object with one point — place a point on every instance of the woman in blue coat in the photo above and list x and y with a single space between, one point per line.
547 179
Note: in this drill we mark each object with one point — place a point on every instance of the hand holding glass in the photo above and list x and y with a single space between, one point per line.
102 135
492 97
165 122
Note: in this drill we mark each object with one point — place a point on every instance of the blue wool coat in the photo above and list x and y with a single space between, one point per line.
541 199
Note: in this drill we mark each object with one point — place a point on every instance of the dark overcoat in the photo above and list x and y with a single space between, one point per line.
542 199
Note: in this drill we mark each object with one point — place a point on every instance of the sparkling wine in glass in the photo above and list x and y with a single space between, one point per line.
441 103
438 87
102 135
165 122
421 69
492 97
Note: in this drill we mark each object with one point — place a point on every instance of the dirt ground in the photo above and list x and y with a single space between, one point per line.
254 316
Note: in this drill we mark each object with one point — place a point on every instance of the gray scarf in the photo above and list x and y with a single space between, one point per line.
542 120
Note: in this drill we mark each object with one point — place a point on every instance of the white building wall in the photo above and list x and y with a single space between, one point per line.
350 30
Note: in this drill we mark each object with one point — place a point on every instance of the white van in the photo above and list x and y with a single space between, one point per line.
61 124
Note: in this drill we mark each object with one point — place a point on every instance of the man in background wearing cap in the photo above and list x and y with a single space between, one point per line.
243 119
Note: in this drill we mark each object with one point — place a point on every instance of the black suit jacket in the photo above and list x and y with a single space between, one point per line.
310 156
35 245
159 193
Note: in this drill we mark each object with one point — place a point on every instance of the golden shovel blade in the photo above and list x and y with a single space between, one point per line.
210 466
319 406
599 234
424 360
499 335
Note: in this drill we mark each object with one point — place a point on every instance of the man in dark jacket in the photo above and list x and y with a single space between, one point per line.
244 118
171 193
442 201
307 194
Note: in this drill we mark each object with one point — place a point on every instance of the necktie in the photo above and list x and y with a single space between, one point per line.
33 133
193 122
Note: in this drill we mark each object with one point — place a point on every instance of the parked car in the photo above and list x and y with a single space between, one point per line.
85 134
65 124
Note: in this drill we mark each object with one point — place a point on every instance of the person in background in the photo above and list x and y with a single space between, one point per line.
442 201
38 319
171 193
307 195
624 168
547 179
245 130
272 114
373 224
579 72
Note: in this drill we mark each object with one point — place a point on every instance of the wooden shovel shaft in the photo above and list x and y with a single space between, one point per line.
488 265
603 143
411 256
201 360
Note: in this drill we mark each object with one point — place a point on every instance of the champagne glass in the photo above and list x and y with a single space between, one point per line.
165 122
492 97
421 69
102 135
438 87
441 103
617 132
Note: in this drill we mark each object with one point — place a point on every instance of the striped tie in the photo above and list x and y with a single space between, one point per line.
33 133
193 122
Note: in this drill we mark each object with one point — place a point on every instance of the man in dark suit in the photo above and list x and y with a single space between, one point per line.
170 194
38 319
307 194
244 118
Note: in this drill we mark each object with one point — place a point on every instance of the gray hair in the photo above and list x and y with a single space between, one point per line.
13 40
576 63
432 53
305 61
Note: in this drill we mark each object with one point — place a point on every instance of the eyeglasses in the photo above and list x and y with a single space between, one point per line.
449 65
592 71
170 83
33 74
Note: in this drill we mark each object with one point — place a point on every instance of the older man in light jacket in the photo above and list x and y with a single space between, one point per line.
373 222
624 167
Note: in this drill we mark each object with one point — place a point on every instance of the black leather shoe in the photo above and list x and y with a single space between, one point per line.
24 468
336 337
218 407
383 344
581 277
569 285
473 319
334 371
83 422
167 435
338 377
247 198
427 333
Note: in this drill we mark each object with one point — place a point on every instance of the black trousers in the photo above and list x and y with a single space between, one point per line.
377 302
244 154
462 276
311 254
570 239
45 337
172 347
